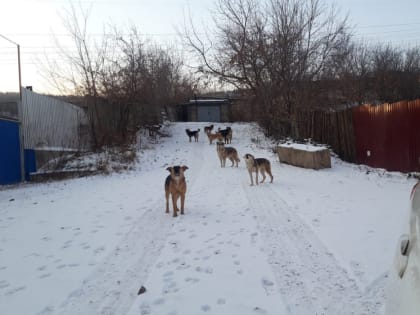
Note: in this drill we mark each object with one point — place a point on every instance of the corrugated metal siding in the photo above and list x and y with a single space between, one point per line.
51 123
413 109
388 135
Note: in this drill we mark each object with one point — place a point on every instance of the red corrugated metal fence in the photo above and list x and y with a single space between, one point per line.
388 135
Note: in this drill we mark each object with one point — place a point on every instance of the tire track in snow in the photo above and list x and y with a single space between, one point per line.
113 286
309 277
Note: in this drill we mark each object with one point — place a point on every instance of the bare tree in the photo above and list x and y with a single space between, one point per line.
124 82
76 71
275 50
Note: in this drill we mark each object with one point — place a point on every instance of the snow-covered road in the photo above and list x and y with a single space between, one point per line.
313 242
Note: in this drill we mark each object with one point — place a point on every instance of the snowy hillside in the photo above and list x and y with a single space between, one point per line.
312 242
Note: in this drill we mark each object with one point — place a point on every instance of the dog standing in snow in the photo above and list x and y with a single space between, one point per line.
227 153
193 133
257 165
176 186
208 129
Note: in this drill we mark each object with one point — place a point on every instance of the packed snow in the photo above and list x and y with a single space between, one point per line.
312 242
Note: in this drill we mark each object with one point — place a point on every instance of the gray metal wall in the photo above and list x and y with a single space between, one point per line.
208 113
51 123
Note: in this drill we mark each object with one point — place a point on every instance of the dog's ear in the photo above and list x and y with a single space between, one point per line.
184 167
169 168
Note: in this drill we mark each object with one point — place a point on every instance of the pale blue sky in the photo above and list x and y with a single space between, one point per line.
30 23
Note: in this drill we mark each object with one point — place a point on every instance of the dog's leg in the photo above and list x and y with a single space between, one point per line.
263 175
256 176
250 176
167 200
271 175
182 203
232 160
174 201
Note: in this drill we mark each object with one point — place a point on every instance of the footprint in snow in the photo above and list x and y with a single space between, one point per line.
46 311
99 250
192 280
205 308
4 284
221 301
267 283
145 309
15 290
159 301
259 310
45 275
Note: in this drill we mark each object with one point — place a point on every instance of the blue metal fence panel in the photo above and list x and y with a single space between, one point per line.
30 163
10 171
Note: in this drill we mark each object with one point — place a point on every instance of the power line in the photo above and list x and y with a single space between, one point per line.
389 25
93 34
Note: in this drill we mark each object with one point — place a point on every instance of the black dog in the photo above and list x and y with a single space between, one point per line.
193 133
227 134
208 129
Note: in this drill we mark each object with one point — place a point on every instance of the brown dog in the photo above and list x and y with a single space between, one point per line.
214 136
227 153
192 133
257 165
176 186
